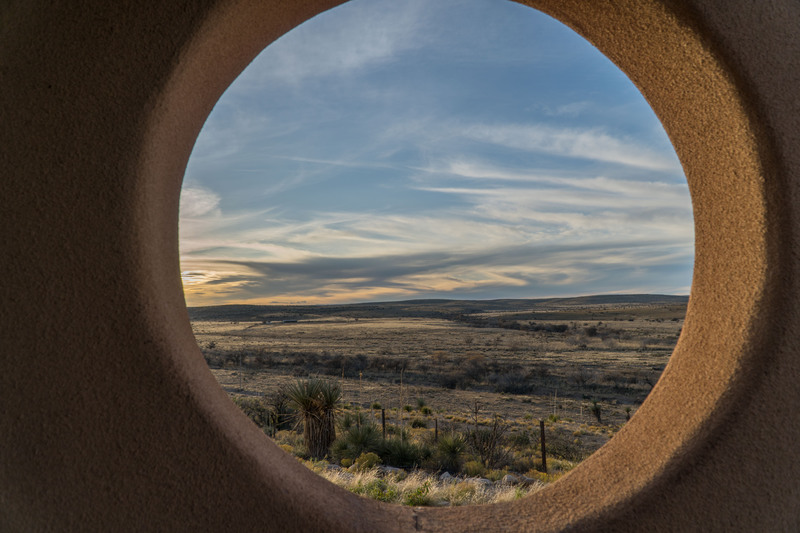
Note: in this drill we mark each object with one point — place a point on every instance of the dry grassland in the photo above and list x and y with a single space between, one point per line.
556 367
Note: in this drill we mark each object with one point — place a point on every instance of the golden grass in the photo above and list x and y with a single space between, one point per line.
422 488
403 360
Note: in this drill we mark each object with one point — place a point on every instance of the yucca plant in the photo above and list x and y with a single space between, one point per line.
354 441
450 450
317 402
402 453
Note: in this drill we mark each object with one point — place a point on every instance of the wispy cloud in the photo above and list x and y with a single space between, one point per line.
592 144
198 202
365 156
371 35
551 269
572 109
551 235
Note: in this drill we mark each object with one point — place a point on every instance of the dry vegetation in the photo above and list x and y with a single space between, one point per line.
583 368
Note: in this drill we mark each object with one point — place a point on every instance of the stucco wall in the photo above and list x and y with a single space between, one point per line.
110 420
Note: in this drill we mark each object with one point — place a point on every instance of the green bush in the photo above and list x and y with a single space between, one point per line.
356 441
495 475
562 445
473 469
418 496
402 453
520 439
419 423
349 419
281 415
367 461
255 409
398 432
377 489
449 451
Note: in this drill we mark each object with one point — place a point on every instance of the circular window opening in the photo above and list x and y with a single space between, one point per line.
515 208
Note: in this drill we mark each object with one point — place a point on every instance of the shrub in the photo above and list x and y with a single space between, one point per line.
418 496
349 420
419 423
562 445
377 489
255 409
287 448
397 431
401 453
450 449
281 416
473 469
356 441
367 461
264 359
596 411
488 443
475 368
520 439
463 493
452 380
495 475
524 463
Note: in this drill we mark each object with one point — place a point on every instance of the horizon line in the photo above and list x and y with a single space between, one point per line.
375 302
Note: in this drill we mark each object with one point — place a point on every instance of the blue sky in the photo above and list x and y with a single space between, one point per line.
390 150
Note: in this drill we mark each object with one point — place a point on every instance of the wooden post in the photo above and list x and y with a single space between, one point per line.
544 450
435 430
383 422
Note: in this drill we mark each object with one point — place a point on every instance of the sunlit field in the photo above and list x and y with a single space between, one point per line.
422 373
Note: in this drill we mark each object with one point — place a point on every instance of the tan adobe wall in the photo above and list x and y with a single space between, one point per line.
110 420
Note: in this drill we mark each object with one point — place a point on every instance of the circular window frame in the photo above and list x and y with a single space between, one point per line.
698 101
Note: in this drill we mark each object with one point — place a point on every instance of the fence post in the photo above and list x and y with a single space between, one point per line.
435 430
383 422
544 450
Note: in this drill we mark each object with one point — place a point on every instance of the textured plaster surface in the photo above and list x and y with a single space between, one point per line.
109 419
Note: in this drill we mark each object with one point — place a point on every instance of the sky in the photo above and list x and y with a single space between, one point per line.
391 150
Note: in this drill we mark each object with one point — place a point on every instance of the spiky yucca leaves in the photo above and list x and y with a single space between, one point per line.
354 441
317 402
450 450
403 453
